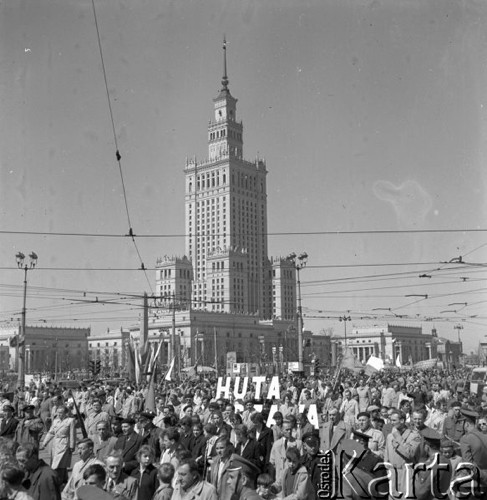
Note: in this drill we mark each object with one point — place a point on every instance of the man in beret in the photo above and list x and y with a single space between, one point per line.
29 427
8 424
129 442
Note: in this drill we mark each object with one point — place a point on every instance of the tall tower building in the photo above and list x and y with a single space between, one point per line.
226 219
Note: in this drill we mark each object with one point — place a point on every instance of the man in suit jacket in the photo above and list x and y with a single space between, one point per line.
277 459
333 432
9 423
129 442
119 484
248 447
104 442
41 482
264 436
402 447
220 466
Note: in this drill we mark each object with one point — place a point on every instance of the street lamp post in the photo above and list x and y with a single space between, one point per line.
345 319
21 264
299 262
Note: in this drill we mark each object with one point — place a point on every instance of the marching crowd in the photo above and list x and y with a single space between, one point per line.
197 445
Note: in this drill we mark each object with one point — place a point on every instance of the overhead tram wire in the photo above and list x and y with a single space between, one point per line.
117 152
270 234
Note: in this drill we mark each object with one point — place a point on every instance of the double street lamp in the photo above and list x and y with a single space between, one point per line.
299 262
22 264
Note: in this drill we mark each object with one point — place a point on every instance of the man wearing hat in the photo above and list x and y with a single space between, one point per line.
473 446
433 479
8 424
95 416
150 433
311 460
242 475
129 442
29 428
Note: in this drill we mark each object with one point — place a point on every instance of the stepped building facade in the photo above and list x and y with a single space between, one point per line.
225 294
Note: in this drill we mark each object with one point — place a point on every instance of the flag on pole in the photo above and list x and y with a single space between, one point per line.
169 372
144 328
374 364
137 367
150 400
398 362
131 362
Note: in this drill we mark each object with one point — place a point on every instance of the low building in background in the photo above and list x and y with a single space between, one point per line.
48 349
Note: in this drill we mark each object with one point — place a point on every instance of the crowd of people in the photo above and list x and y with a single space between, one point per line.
103 442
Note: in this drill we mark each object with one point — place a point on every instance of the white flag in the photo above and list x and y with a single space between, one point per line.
374 364
398 362
169 372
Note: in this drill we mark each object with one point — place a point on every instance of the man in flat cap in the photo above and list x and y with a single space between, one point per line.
8 424
29 427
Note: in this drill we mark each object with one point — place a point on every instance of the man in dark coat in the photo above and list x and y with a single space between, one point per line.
29 428
129 442
187 438
150 433
311 460
8 424
473 445
41 481
264 436
248 448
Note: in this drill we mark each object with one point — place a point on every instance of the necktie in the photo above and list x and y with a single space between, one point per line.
111 485
285 443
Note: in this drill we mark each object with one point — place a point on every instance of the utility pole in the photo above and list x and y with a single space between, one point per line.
345 319
174 349
216 354
20 258
299 262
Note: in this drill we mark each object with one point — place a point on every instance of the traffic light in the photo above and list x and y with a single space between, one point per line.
95 367
317 366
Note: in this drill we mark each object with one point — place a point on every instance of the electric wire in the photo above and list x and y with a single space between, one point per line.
117 153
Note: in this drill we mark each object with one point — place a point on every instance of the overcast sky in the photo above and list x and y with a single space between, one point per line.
371 116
